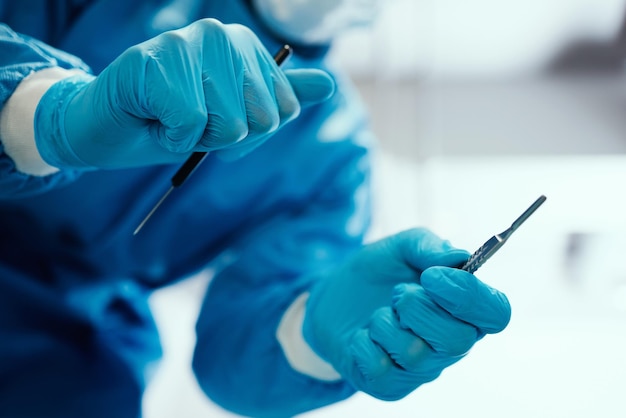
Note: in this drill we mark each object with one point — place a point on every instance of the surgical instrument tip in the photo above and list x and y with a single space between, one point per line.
532 208
494 243
194 160
154 208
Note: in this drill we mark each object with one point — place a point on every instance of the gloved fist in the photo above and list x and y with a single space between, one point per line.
396 314
208 86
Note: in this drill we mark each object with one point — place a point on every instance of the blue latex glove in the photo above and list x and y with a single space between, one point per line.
392 318
208 86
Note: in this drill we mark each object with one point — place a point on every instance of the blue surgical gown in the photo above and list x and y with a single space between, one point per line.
76 335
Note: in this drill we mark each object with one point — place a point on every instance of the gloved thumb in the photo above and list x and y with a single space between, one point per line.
421 249
311 85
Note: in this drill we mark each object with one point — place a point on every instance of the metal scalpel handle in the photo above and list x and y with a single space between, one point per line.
494 243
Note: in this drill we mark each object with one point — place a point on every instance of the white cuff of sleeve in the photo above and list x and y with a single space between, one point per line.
300 356
17 131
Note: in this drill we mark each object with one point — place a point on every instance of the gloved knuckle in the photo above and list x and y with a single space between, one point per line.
389 387
133 52
238 35
414 354
173 37
499 323
381 322
240 30
234 131
135 57
406 296
460 343
209 26
289 108
265 121
369 358
174 143
504 321
221 132
212 32
194 119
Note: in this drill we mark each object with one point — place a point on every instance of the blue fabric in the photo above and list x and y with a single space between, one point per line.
74 280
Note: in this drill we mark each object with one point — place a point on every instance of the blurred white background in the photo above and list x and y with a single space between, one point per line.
480 107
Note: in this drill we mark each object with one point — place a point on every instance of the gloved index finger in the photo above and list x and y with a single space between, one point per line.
421 249
467 298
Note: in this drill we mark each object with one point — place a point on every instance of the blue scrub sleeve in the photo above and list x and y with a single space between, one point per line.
238 361
20 55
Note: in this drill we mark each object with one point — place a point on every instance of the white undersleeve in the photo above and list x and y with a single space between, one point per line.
17 132
298 353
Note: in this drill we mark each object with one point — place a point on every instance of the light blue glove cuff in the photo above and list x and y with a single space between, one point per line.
50 137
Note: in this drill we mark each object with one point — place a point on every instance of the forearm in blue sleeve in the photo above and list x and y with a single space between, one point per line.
238 360
20 58
20 55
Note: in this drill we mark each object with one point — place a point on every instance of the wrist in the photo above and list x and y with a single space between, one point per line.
298 352
17 121
50 130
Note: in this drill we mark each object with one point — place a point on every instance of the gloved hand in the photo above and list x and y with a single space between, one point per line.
393 317
208 86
